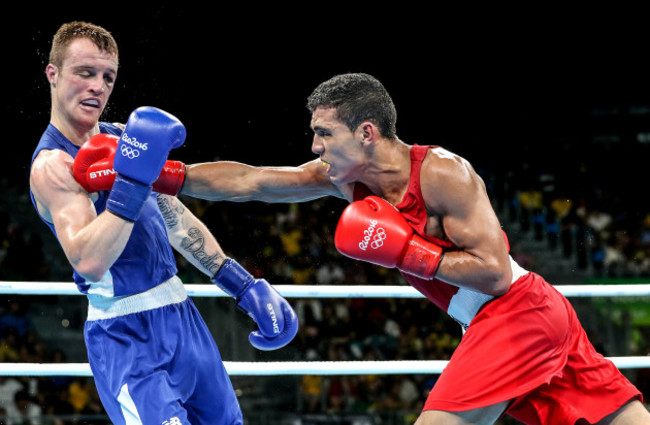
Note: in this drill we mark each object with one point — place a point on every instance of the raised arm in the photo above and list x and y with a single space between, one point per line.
91 243
458 202
234 181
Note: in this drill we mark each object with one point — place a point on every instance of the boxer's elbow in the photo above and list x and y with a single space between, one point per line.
91 269
496 280
496 287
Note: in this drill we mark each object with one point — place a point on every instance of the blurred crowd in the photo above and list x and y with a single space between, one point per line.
603 234
39 400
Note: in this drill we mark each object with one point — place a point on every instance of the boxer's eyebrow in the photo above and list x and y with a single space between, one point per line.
321 130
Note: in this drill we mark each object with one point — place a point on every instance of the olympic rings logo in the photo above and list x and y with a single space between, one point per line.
129 152
378 238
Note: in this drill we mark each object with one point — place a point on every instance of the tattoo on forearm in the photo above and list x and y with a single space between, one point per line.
194 244
171 210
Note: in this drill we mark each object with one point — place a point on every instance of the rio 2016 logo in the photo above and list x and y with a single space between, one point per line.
373 236
133 150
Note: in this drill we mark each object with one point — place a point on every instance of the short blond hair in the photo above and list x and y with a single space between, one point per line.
71 31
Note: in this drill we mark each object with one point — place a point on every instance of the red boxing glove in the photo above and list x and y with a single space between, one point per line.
171 178
373 230
93 167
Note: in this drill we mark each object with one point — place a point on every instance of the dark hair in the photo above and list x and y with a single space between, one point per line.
357 98
71 31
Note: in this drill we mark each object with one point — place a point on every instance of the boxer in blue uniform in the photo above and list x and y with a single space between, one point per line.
153 358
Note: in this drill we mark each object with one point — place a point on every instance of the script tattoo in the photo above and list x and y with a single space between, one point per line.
170 209
194 244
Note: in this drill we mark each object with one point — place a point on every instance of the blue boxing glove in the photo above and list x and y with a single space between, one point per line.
149 135
277 322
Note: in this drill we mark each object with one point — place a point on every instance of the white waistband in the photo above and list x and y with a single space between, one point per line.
169 292
465 304
517 270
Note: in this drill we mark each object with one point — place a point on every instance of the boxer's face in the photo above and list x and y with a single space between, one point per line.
83 83
339 148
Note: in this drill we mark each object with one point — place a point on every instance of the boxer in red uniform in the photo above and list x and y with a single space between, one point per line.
426 212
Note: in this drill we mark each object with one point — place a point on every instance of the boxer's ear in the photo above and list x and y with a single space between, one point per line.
52 74
368 133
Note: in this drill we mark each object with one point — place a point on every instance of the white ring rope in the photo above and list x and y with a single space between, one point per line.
311 367
326 291
381 367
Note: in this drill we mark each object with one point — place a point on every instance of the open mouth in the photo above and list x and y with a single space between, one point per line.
93 103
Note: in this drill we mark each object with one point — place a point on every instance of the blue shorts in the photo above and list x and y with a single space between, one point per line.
160 365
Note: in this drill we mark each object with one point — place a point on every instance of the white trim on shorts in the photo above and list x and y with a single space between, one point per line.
172 291
129 409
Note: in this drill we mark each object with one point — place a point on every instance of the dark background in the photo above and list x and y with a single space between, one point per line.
551 88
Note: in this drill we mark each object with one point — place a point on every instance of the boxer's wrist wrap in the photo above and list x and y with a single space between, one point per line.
127 198
232 278
422 258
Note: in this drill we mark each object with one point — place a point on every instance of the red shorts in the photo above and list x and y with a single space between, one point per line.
528 346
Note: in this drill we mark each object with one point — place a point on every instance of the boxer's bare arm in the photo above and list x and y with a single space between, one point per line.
454 192
189 236
234 181
91 243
